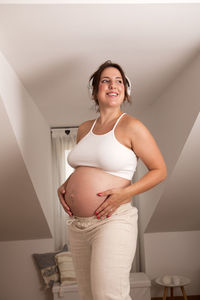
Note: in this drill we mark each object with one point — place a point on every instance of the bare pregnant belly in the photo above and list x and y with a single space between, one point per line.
84 185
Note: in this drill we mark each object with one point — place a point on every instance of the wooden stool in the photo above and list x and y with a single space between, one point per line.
171 282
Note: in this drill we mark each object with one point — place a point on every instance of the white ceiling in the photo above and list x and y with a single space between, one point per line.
54 48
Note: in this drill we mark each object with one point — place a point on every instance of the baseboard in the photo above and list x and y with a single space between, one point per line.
179 298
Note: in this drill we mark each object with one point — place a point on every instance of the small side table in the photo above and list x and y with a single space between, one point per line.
181 282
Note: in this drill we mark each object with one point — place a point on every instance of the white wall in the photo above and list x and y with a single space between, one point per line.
170 120
32 133
173 253
20 278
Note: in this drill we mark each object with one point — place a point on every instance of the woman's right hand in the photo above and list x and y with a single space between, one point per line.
61 192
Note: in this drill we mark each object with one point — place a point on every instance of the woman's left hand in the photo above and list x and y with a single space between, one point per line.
114 198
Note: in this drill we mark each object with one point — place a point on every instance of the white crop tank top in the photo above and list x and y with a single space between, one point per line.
104 151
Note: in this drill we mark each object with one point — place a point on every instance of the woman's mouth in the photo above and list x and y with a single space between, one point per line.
112 94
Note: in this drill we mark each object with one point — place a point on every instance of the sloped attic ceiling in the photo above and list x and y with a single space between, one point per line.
179 207
21 216
54 48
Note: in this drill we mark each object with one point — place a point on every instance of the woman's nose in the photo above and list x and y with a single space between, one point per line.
112 85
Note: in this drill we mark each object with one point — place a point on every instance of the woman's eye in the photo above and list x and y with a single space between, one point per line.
108 81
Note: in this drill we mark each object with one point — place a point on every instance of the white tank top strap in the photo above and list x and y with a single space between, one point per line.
118 121
93 125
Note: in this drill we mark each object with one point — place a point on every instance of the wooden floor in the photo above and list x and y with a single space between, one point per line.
179 298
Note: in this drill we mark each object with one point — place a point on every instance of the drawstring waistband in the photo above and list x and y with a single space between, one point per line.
85 222
82 222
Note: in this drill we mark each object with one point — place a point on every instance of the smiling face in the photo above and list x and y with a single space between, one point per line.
111 89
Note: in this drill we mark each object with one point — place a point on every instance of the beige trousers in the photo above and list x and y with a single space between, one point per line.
103 252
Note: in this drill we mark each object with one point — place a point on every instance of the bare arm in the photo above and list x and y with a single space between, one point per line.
61 192
82 130
145 147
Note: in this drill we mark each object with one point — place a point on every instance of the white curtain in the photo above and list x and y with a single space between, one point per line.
60 143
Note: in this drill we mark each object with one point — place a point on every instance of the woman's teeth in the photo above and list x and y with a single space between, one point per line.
112 94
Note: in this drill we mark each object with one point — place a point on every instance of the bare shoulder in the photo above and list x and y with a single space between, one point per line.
83 129
133 125
134 132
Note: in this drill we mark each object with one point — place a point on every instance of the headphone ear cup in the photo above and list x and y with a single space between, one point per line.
129 86
90 87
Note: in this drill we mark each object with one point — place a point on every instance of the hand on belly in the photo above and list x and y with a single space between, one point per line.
83 187
83 202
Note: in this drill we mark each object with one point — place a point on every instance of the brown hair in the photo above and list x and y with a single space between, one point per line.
95 78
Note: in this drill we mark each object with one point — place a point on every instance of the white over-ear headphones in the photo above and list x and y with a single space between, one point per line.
90 86
129 85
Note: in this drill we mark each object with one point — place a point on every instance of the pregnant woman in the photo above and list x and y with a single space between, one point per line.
97 196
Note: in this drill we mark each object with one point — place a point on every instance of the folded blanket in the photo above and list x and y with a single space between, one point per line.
66 268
